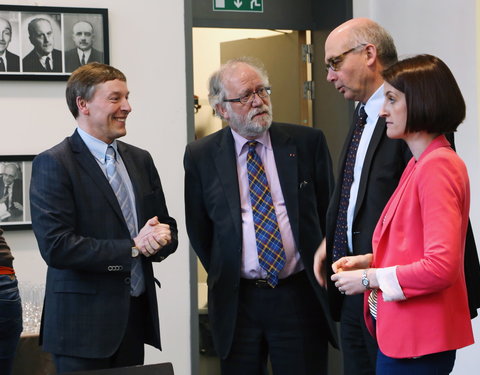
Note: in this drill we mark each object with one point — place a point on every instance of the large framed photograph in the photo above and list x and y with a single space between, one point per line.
15 175
49 43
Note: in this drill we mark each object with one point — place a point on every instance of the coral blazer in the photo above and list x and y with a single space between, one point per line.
422 231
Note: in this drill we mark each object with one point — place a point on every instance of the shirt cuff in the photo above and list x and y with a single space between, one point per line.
389 285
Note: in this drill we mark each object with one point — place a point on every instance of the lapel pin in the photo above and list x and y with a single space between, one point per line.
292 155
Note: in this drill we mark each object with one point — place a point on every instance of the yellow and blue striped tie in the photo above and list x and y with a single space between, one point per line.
271 255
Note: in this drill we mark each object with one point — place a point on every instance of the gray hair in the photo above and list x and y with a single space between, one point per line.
375 34
216 88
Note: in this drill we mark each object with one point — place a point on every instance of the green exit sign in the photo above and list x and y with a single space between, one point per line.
238 5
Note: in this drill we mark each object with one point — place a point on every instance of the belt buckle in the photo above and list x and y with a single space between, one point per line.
261 283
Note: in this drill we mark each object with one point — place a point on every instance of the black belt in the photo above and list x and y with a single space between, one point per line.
262 283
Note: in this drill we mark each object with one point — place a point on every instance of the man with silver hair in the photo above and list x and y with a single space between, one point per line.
263 302
43 57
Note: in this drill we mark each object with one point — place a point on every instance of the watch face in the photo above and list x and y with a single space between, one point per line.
365 282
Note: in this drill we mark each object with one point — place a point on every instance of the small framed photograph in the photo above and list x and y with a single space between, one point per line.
15 175
49 43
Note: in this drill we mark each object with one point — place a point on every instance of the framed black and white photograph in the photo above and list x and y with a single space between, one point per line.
15 175
49 43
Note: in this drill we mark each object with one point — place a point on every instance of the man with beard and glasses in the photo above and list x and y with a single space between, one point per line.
256 195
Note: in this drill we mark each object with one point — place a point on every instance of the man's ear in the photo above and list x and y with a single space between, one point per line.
82 105
222 111
371 53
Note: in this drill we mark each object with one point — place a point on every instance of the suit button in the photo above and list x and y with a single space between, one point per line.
127 280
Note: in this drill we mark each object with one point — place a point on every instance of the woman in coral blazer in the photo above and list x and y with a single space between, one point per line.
416 302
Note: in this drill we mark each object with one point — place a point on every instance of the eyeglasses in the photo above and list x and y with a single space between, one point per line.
262 92
334 62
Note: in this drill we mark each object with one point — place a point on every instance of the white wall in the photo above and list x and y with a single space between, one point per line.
147 43
449 30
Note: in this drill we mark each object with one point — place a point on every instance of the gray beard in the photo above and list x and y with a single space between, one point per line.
250 128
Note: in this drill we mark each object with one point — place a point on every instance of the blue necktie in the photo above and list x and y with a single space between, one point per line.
120 190
271 255
340 238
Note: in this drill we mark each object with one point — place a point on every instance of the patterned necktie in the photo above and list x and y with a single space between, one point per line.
120 190
340 238
47 65
83 58
2 65
271 255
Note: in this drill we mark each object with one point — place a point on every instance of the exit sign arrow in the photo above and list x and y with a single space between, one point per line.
238 5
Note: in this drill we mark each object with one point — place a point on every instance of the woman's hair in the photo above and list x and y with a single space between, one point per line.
434 101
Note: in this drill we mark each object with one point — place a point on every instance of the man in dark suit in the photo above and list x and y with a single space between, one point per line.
43 57
100 219
258 309
356 53
9 62
83 36
11 192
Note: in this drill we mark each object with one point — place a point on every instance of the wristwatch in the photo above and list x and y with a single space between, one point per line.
135 252
365 281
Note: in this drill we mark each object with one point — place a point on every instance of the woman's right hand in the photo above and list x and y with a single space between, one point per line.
350 263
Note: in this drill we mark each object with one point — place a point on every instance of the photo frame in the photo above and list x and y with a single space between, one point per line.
49 43
15 176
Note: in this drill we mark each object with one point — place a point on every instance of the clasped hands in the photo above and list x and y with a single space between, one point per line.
348 273
152 237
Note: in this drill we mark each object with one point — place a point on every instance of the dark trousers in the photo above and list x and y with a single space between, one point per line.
129 353
285 324
359 348
10 322
432 364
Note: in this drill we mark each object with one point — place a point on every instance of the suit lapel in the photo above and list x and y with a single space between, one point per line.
286 160
226 165
392 204
88 163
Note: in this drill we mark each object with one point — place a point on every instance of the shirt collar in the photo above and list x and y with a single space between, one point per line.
97 147
374 104
240 141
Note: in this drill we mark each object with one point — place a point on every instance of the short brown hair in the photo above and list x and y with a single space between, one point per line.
434 101
83 82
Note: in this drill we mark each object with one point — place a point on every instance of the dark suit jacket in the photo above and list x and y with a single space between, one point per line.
384 164
31 63
72 61
213 214
13 62
85 242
